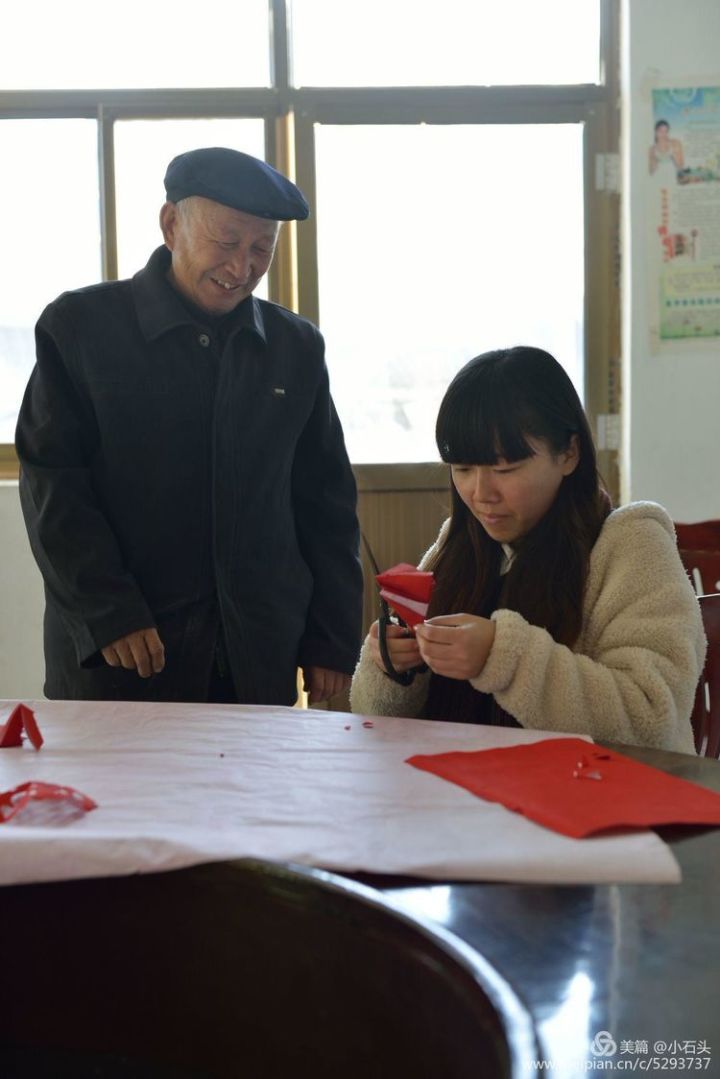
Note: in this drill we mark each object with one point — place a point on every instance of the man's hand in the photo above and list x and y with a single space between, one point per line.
141 651
320 684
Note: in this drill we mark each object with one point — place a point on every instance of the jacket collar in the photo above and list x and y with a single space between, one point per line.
159 308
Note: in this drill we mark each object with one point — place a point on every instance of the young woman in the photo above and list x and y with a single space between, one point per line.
665 156
550 610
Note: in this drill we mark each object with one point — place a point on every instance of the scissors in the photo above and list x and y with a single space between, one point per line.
388 618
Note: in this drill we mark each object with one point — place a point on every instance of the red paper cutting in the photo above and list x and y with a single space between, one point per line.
43 805
21 718
11 732
407 590
537 780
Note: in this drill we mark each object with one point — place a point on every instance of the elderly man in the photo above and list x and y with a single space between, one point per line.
184 478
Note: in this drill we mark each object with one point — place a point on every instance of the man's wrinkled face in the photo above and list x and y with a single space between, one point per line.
218 254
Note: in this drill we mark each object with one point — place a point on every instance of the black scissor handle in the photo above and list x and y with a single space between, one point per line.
403 678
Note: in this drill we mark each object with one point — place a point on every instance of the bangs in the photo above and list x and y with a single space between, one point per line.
478 429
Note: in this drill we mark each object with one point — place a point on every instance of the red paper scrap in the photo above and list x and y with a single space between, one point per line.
43 804
544 781
21 718
11 732
407 590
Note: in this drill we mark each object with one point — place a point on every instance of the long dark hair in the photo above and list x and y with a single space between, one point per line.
494 403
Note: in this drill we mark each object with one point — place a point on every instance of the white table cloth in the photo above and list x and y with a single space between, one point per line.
181 784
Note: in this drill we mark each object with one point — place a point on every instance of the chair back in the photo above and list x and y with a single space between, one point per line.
705 716
699 547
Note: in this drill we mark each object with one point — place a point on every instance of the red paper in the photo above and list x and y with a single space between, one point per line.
575 787
43 805
407 590
21 718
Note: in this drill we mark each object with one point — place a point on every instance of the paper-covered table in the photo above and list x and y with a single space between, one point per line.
181 784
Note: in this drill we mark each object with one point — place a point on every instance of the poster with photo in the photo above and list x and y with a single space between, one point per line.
683 172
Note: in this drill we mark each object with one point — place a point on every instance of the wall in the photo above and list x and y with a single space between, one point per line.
671 401
21 605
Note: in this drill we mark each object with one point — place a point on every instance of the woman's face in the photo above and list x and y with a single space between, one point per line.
662 135
510 498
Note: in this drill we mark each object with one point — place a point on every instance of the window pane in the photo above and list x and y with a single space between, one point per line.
143 151
90 44
50 228
458 240
453 43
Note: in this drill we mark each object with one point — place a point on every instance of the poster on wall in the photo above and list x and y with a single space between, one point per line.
683 176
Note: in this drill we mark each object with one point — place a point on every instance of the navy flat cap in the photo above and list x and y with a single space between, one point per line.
237 180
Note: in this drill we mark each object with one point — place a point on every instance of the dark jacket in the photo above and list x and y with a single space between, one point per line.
187 475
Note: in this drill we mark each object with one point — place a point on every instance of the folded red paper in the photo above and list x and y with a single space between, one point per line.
407 590
575 787
21 718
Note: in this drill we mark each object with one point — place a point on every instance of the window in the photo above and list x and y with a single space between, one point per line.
50 228
453 43
447 152
431 266
85 44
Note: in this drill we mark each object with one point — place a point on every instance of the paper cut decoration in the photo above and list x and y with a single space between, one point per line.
21 718
537 780
407 590
43 805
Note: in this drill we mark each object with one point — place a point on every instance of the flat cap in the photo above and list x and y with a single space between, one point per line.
237 180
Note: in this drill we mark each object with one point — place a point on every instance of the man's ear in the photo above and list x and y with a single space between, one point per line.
571 456
168 223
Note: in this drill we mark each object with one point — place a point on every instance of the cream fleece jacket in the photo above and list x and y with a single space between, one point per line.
631 675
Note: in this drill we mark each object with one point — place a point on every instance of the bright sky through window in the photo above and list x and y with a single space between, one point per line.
436 243
454 42
92 44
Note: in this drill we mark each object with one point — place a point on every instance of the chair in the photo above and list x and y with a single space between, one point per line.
245 968
699 547
705 716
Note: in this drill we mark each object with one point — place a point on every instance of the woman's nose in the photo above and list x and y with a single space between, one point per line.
485 490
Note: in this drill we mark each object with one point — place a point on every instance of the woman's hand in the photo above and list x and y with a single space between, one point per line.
401 645
456 645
